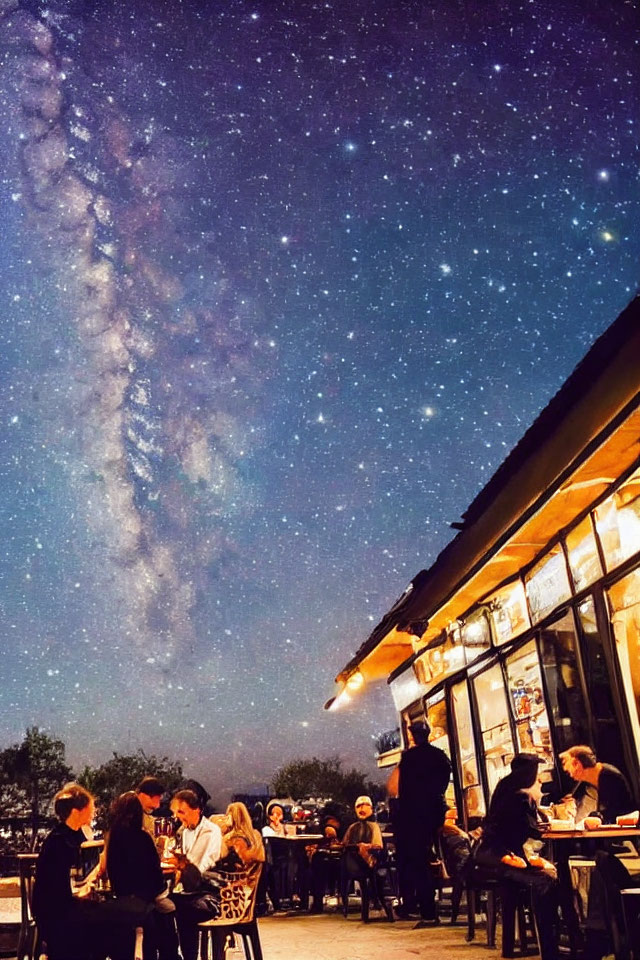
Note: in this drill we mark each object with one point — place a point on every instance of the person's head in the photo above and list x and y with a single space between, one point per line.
240 819
186 807
419 731
576 761
275 812
74 806
363 807
126 811
150 792
524 770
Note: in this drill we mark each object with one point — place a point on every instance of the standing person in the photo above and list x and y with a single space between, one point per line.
601 790
150 792
201 843
278 880
69 924
420 781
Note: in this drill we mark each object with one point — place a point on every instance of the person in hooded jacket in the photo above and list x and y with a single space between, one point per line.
511 821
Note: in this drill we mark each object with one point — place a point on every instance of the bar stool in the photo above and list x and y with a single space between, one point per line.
513 901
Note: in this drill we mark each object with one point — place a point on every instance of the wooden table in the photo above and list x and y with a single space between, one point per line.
560 851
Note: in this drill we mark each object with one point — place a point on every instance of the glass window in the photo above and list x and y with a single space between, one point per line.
618 522
527 702
583 555
547 584
509 614
598 683
476 634
447 657
624 599
493 711
472 798
567 706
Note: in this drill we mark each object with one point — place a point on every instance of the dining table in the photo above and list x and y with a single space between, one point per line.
562 845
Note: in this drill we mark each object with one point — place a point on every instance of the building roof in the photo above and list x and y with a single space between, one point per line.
587 432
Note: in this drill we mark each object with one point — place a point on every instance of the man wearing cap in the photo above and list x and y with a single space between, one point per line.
420 782
363 844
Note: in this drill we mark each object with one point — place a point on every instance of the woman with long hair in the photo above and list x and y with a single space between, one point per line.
134 870
241 835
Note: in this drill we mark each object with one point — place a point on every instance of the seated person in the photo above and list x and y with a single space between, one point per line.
323 863
278 876
70 925
601 793
242 837
363 845
274 827
512 821
134 872
201 846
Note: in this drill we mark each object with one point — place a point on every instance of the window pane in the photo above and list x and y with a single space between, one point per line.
529 709
598 684
618 522
624 598
472 797
583 555
509 614
547 584
567 706
493 711
476 635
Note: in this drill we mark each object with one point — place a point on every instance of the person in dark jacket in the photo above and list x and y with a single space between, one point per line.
69 924
501 855
602 790
421 780
135 875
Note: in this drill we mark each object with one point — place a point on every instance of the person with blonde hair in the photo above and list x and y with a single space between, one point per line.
242 836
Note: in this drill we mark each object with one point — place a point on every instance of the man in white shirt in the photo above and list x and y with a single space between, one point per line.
201 842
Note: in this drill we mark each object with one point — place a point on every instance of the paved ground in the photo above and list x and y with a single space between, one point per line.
329 936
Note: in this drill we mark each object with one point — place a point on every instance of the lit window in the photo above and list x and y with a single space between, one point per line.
618 522
547 584
583 555
509 615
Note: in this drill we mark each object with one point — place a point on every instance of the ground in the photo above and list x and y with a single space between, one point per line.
330 937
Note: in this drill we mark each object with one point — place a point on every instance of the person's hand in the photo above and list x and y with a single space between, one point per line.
363 850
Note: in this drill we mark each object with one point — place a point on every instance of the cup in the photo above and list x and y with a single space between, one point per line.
628 819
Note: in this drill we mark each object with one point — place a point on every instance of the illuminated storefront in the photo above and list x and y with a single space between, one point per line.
525 633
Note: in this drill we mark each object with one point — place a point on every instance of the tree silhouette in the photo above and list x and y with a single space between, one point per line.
31 773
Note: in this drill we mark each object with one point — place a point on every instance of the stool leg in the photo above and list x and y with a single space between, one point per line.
471 913
509 900
522 927
491 918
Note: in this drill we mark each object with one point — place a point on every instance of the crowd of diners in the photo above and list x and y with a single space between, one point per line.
208 851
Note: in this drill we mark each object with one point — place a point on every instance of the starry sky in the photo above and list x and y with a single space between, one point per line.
282 284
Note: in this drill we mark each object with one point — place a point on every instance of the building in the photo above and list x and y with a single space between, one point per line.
525 632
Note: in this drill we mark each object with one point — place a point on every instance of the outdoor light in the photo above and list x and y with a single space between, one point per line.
355 682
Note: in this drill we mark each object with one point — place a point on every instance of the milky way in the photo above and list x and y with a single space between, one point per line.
282 284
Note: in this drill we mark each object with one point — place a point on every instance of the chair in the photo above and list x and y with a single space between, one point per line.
618 886
29 942
513 903
237 907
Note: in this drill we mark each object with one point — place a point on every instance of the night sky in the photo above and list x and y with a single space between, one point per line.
282 284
